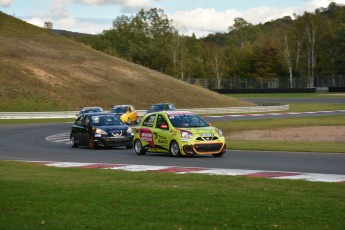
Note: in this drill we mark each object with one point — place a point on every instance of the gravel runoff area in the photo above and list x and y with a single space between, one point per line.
307 133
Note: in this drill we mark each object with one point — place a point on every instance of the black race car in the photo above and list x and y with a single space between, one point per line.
161 107
100 130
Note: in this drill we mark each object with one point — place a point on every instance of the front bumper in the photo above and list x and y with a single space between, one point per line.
114 141
201 148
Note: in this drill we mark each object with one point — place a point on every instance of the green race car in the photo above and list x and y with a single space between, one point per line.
178 133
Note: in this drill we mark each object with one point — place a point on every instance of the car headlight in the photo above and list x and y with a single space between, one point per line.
129 130
100 131
186 134
220 133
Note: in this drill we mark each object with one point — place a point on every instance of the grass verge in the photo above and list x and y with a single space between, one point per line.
291 146
36 196
310 107
300 146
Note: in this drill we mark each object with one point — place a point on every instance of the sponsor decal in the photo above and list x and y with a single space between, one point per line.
178 113
146 135
206 135
160 139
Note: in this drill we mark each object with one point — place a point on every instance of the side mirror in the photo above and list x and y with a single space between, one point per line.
163 127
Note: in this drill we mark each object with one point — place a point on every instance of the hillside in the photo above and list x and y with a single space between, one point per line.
40 70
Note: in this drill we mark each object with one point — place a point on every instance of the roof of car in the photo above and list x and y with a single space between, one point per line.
164 103
92 107
120 105
97 113
173 112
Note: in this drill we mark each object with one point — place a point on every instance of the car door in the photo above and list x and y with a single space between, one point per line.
146 132
161 134
132 114
84 131
77 126
129 114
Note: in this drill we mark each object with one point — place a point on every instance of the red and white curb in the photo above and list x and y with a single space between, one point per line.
210 171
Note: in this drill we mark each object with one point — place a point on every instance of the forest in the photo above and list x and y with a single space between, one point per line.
301 51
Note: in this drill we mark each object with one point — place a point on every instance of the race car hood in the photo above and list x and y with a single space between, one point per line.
202 130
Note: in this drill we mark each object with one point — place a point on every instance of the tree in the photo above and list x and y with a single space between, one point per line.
145 38
268 59
216 62
241 30
48 25
290 44
311 27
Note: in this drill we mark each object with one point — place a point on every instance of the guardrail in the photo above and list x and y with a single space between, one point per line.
214 111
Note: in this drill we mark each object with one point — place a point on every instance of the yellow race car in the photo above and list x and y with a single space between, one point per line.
127 113
178 133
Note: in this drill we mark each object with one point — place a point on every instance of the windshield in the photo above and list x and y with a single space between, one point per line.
160 107
90 111
105 120
157 107
120 110
187 120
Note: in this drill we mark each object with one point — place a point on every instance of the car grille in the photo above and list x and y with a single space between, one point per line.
117 133
207 138
206 148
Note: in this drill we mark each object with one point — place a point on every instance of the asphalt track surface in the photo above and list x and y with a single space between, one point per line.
28 143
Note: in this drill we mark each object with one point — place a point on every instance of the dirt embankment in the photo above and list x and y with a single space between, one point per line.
308 133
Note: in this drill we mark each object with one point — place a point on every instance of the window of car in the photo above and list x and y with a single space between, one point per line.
105 120
86 121
187 120
79 120
160 121
120 109
171 107
149 120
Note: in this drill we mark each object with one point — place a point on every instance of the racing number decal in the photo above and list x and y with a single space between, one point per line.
146 135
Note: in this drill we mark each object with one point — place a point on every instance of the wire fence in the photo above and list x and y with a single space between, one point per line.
260 83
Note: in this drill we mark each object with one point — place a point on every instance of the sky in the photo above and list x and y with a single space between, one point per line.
201 17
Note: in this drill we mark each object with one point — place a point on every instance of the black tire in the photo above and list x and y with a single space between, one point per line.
175 149
138 147
92 144
129 146
73 143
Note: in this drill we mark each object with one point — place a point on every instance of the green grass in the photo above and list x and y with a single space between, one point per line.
290 146
310 107
232 126
298 146
40 197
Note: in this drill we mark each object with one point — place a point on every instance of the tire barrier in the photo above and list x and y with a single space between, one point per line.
336 89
